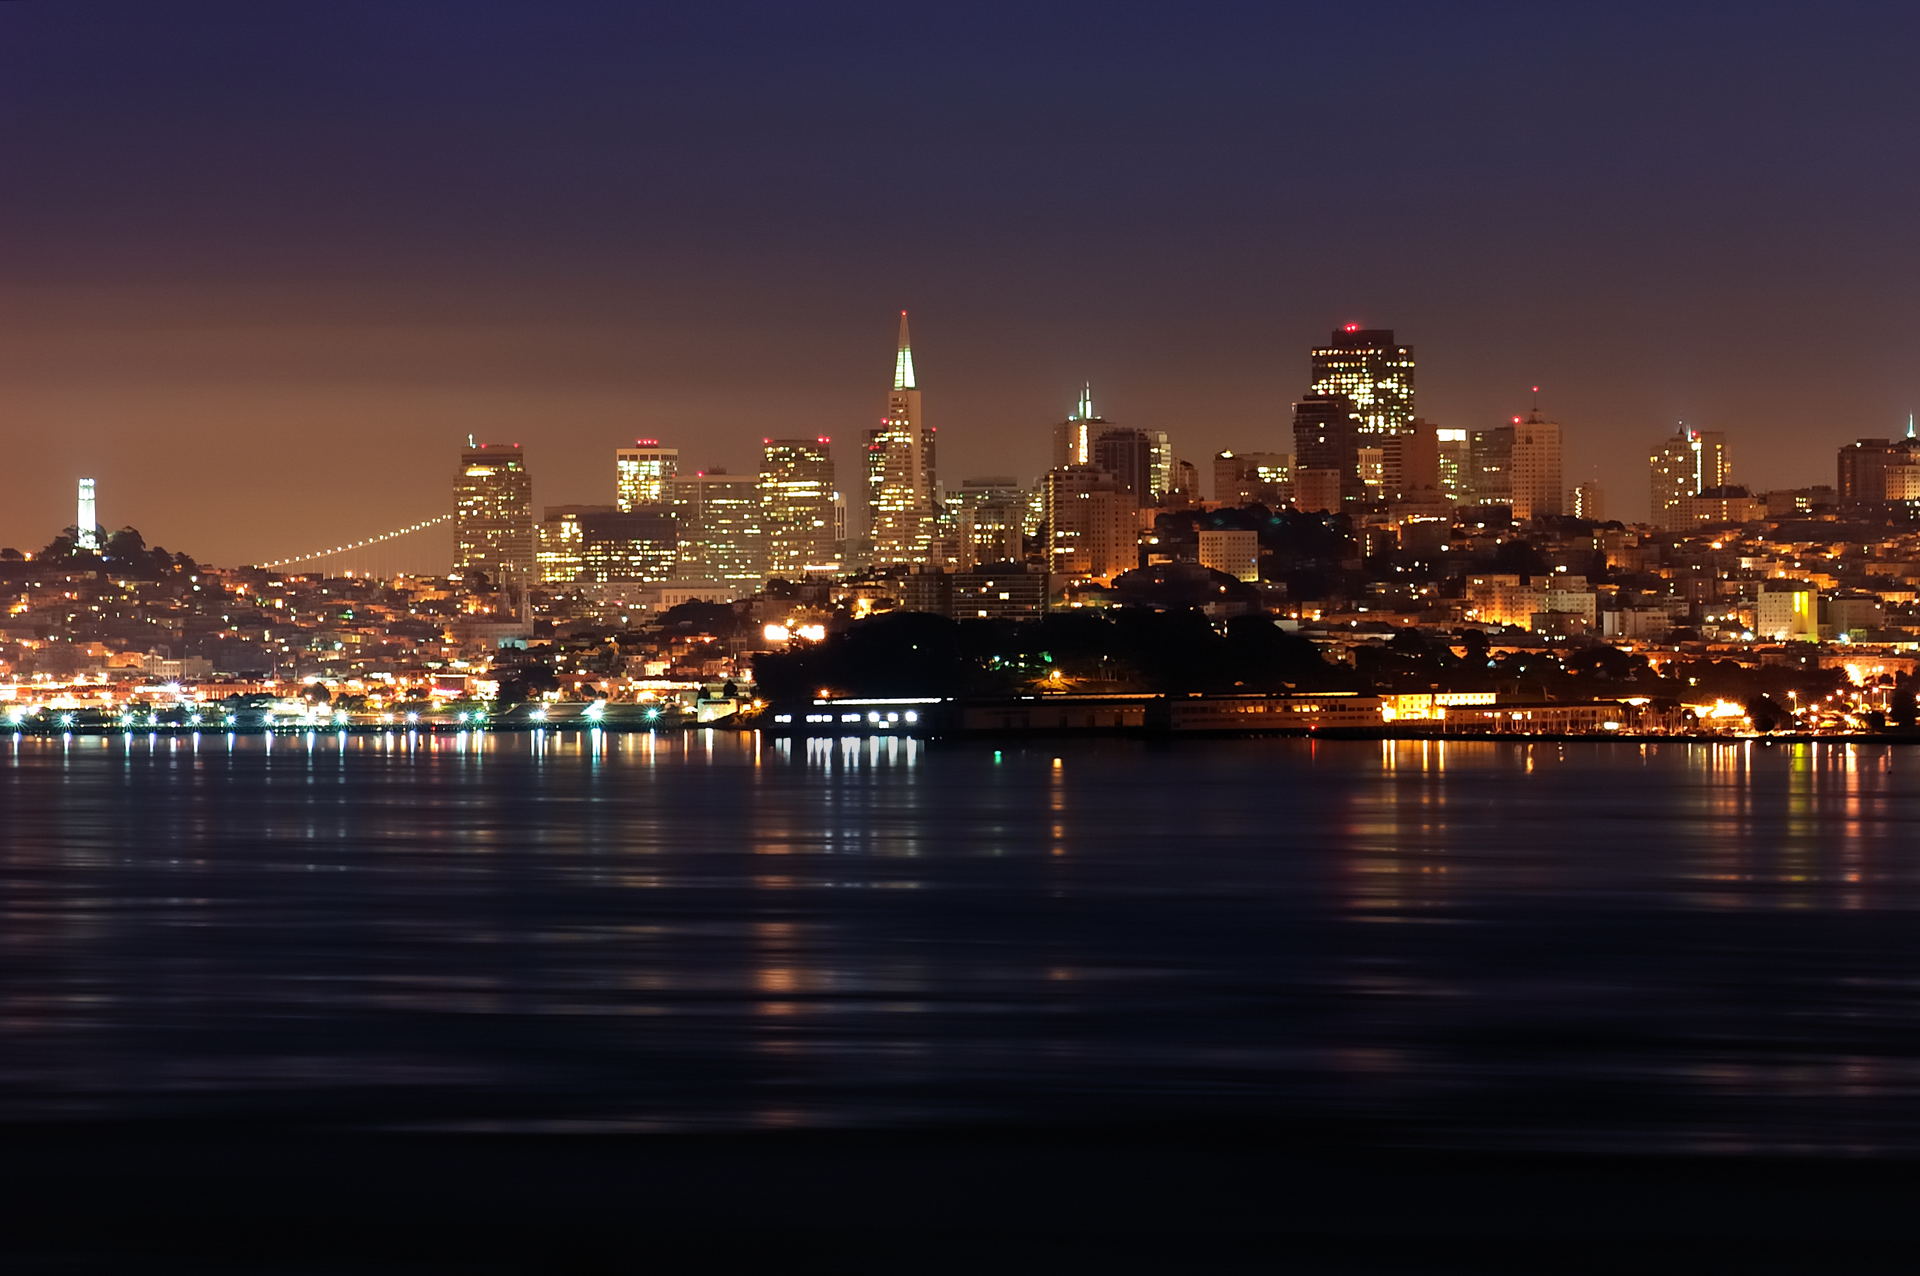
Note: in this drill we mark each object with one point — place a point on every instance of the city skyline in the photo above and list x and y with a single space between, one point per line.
254 259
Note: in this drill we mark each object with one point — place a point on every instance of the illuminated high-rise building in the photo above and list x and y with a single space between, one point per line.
1689 463
796 507
1093 524
1073 438
493 515
642 473
602 543
1455 464
629 545
560 543
902 487
86 524
1162 468
1370 370
720 537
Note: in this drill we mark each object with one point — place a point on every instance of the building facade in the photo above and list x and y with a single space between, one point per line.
796 507
1372 371
1326 453
1682 467
1093 527
1249 478
493 515
720 537
642 474
903 502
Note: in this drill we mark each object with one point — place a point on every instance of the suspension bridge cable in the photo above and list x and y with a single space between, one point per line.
382 537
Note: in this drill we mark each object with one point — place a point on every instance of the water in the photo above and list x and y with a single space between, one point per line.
1574 948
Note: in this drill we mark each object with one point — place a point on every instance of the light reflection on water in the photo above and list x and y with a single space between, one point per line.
1620 946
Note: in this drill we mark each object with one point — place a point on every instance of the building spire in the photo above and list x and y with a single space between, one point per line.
1084 412
1910 433
903 359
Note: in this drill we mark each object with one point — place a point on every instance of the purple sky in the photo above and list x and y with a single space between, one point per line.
262 267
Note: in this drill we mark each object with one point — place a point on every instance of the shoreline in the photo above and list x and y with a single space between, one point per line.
439 730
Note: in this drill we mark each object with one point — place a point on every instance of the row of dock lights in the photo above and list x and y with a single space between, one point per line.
594 715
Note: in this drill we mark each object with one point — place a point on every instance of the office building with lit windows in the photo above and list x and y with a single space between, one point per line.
796 507
642 473
560 543
719 530
1372 371
493 515
1455 463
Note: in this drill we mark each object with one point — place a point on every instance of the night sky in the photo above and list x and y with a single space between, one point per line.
264 265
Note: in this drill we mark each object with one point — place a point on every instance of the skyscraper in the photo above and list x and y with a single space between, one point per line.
988 517
1455 463
1326 453
1073 437
1684 466
1537 484
493 515
1589 502
1374 373
796 507
1093 524
1128 455
642 473
719 529
1518 465
900 470
1162 468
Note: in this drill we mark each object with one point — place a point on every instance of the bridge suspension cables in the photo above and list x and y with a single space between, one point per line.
352 547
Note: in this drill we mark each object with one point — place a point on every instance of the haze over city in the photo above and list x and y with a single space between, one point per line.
267 266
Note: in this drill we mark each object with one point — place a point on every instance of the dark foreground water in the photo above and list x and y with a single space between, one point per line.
1612 948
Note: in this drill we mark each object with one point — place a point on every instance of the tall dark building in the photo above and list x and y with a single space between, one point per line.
1370 369
1128 455
1880 471
1326 453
